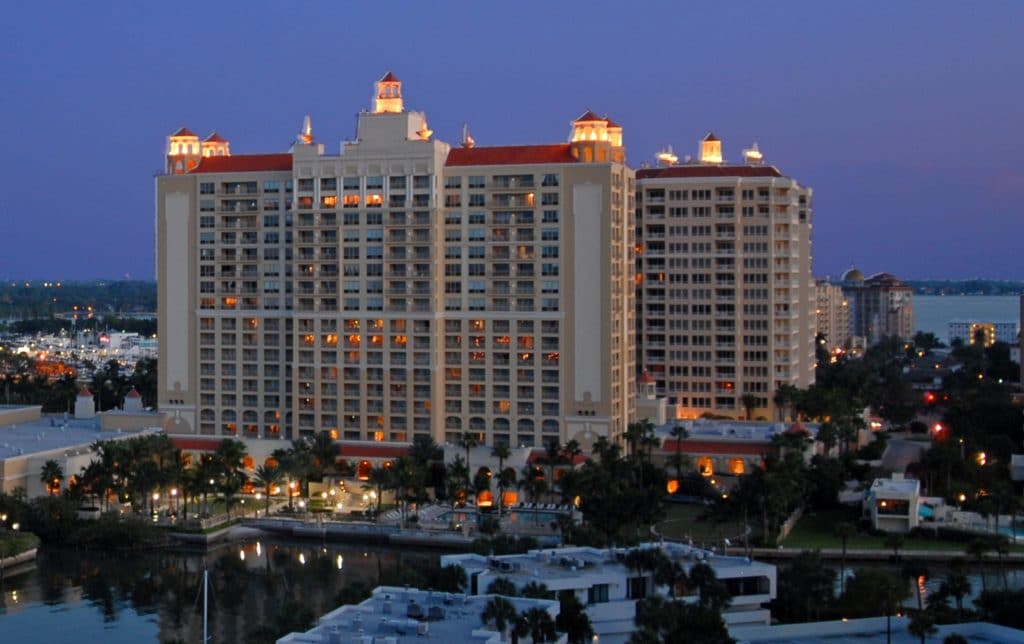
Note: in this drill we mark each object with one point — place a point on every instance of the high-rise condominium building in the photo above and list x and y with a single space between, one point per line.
832 312
726 297
881 306
401 287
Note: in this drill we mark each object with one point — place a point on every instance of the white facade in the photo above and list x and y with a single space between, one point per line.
609 590
392 615
967 330
893 504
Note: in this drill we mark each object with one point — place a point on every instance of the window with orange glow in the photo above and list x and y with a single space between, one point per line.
363 471
230 302
354 340
376 340
737 466
230 428
485 499
350 201
329 201
331 340
401 340
334 433
525 342
352 325
672 486
271 462
477 325
309 340
378 436
502 340
374 200
503 406
509 497
247 462
705 466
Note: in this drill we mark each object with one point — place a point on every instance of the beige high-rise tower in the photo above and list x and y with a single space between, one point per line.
726 300
400 288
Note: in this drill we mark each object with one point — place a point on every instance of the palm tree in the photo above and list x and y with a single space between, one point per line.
533 485
467 441
977 549
325 453
267 477
51 475
957 586
501 451
536 590
922 624
572 619
844 530
679 433
457 475
379 480
538 624
500 611
749 402
552 457
502 586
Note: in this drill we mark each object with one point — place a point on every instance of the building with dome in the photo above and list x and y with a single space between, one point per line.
880 306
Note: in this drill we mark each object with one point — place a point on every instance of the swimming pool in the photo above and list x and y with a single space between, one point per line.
472 517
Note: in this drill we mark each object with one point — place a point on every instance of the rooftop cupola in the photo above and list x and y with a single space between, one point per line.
389 95
711 149
596 139
752 155
183 151
216 145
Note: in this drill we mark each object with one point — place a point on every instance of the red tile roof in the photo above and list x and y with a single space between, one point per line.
510 155
134 393
215 138
85 393
245 163
184 131
590 116
705 171
373 451
389 78
196 444
612 123
698 447
646 377
711 137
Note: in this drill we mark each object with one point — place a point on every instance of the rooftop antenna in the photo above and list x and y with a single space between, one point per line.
467 140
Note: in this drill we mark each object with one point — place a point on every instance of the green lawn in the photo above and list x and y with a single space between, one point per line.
815 531
688 522
14 543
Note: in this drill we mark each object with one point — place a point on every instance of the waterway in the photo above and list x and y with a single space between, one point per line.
140 597
932 313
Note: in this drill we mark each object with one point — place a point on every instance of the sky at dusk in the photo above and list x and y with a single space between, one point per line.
906 118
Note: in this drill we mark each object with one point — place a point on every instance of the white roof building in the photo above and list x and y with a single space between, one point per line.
394 615
893 504
609 589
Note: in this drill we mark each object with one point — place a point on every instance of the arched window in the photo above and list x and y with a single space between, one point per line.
524 425
477 424
228 416
249 416
363 471
501 425
737 466
453 422
705 466
549 426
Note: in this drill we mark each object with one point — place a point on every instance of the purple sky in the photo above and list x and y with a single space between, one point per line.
905 118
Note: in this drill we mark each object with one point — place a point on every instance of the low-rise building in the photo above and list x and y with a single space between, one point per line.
893 504
609 589
728 447
28 440
989 332
392 615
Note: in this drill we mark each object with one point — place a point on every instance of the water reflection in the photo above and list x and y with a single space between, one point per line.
155 596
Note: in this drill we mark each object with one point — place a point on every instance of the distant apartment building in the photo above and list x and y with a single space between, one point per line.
832 314
401 287
725 295
880 306
969 332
